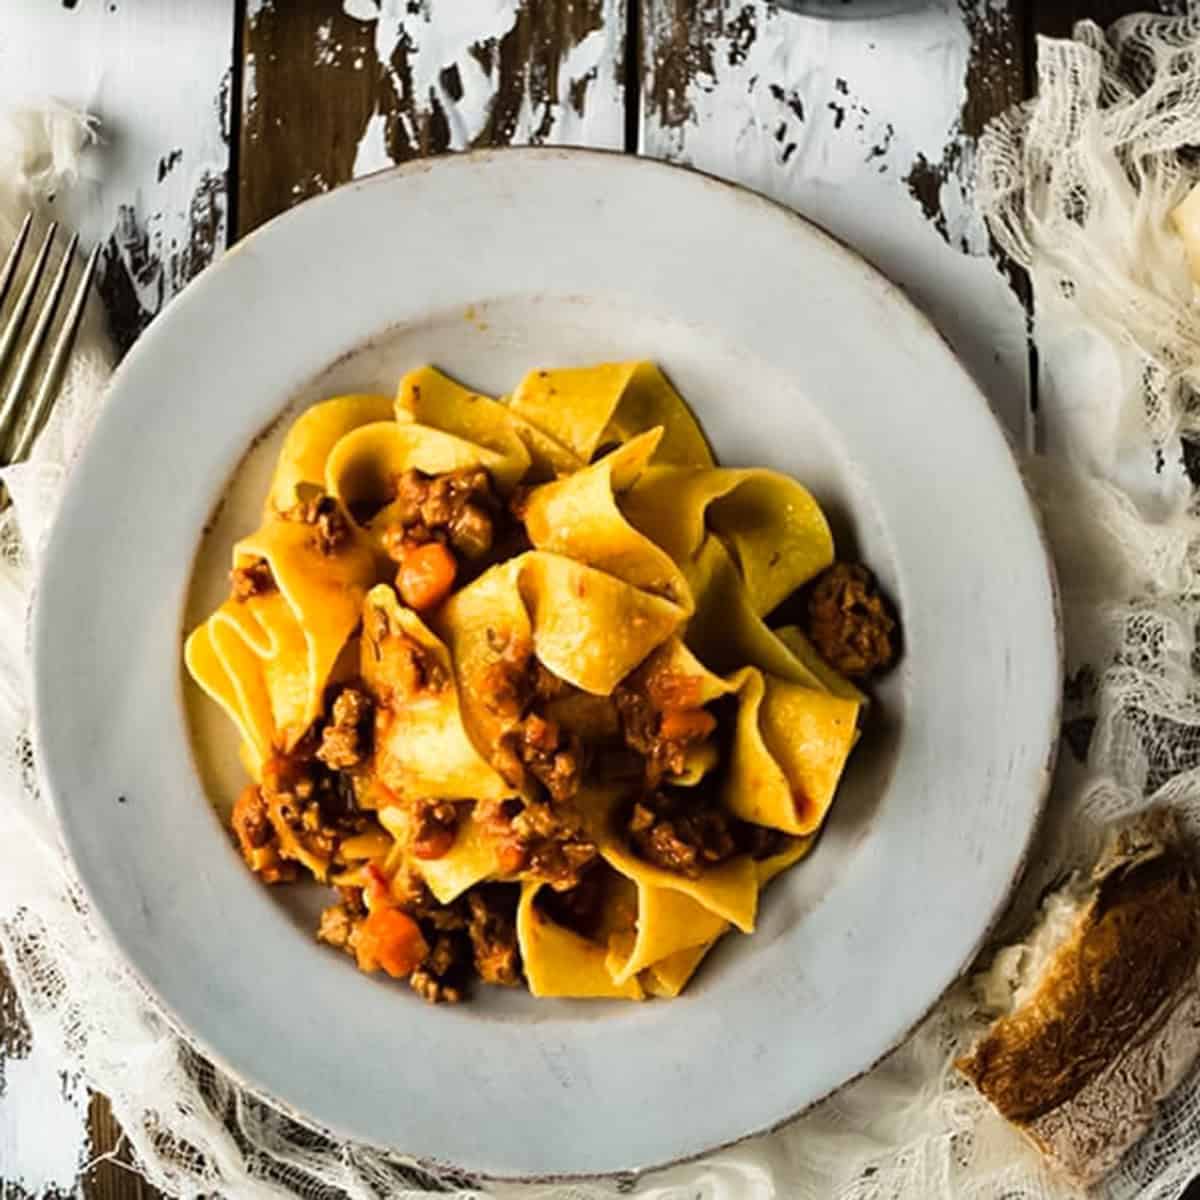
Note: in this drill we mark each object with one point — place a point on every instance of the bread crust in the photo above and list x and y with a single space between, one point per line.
1082 1063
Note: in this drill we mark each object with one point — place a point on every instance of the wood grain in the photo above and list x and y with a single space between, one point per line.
328 97
112 1175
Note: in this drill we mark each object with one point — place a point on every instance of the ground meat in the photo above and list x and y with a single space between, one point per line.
500 690
402 666
683 834
339 922
250 821
662 736
546 686
760 842
550 843
551 755
618 766
518 502
457 507
849 621
517 679
435 828
431 989
257 838
438 980
352 899
317 508
506 684
252 579
414 897
492 928
539 822
639 720
335 927
346 738
581 907
310 807
515 688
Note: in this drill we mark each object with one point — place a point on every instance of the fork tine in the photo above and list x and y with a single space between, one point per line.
47 391
9 271
33 347
8 338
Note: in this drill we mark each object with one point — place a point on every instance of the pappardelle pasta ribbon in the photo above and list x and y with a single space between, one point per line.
505 673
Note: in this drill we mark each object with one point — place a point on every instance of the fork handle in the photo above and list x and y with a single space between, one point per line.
35 418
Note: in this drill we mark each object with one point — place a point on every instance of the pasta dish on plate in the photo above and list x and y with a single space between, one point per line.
503 677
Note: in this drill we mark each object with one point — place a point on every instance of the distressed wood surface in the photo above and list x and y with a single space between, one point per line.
219 114
159 78
868 127
415 80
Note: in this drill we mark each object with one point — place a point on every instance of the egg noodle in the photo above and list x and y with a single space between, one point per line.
589 707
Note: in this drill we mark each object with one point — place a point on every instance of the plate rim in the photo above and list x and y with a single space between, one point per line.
852 259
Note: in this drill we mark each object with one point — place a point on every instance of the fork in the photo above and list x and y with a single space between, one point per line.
25 407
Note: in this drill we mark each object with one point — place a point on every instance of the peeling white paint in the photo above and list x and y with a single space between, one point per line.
372 154
437 45
829 118
250 85
595 59
161 132
43 1124
434 45
151 73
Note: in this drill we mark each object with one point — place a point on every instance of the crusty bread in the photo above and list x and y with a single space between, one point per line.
1103 1020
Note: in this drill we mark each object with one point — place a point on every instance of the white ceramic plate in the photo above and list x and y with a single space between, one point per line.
794 354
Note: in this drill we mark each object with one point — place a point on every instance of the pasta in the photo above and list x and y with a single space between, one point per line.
507 674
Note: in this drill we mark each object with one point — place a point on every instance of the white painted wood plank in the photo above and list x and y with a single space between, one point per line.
419 79
585 105
846 121
157 74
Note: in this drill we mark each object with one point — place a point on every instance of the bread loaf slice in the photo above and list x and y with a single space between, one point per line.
1100 1007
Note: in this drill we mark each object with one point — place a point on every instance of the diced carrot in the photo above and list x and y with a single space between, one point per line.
390 940
686 724
426 576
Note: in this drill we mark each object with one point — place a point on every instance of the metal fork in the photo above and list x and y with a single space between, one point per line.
25 407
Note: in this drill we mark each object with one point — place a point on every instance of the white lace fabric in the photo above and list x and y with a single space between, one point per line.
1077 187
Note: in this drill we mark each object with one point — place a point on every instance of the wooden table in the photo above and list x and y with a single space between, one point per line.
219 114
